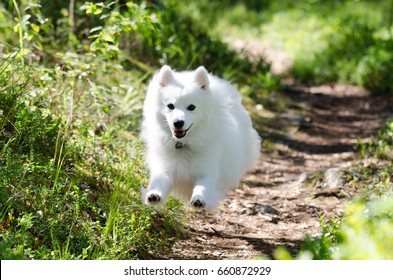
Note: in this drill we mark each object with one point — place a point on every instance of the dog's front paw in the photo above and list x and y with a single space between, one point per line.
198 203
153 198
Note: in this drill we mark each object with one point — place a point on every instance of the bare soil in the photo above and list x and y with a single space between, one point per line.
299 176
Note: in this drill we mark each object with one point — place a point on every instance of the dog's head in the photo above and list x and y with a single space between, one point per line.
183 98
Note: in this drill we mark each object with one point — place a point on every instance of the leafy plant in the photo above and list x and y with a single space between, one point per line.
71 171
367 230
324 246
379 146
373 71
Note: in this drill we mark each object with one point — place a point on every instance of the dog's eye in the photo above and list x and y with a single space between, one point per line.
170 106
191 107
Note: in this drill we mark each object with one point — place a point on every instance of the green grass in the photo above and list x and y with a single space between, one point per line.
327 41
69 191
71 163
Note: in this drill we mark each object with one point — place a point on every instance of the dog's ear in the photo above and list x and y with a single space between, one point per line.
201 77
166 76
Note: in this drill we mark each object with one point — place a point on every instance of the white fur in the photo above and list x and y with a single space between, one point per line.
219 146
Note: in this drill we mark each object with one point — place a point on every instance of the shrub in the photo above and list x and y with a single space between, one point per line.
375 68
367 230
379 147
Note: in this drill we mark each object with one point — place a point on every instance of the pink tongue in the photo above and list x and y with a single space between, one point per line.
179 133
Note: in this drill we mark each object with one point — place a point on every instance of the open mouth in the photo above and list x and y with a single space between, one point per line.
180 133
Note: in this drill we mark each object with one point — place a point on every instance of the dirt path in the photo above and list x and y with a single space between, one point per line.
298 178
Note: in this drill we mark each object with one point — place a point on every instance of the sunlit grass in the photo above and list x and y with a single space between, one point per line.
327 41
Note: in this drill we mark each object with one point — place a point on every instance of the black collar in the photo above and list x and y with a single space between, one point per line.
180 145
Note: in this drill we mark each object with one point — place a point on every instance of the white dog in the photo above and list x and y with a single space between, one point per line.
199 137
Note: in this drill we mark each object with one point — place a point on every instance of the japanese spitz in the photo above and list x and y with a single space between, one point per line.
200 140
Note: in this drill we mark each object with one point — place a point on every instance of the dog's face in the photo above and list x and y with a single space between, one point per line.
183 104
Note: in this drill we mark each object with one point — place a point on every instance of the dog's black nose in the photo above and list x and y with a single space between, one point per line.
178 124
